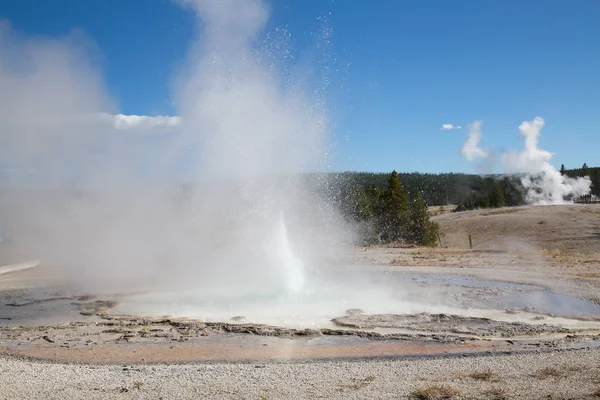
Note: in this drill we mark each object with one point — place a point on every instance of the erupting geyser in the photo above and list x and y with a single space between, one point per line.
292 266
543 183
117 211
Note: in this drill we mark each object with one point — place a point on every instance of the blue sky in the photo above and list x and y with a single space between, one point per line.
401 69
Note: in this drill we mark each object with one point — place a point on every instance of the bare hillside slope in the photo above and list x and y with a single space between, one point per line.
569 229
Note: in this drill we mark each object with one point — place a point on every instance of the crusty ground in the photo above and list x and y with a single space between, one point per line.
557 247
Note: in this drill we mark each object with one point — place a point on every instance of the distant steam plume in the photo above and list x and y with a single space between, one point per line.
471 149
544 184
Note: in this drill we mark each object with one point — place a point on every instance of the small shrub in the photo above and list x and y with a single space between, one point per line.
554 396
358 383
486 375
547 372
495 394
434 392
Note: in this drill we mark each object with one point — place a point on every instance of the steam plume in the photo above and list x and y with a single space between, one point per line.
471 149
105 203
544 184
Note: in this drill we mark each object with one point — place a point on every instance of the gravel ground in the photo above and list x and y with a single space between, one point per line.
571 374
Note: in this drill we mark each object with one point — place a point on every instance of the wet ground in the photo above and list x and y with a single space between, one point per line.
352 312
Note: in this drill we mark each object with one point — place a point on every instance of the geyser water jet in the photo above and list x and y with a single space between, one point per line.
292 266
107 206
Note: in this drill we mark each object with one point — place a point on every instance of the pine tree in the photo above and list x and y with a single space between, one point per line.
585 170
422 230
562 169
497 198
393 211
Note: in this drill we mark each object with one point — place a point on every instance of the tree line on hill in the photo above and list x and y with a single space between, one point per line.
466 191
393 208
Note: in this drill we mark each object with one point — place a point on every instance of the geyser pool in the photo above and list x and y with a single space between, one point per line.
370 290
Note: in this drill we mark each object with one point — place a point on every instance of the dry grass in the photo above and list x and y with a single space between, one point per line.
496 393
486 375
434 392
591 211
357 383
574 368
554 253
438 210
506 210
554 396
547 372
588 275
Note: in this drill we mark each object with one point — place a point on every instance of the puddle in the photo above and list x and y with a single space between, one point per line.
507 295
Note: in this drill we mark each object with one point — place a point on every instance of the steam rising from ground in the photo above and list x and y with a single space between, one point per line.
544 183
96 193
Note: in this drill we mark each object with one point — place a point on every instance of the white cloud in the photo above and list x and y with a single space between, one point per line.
121 121
471 149
449 127
132 122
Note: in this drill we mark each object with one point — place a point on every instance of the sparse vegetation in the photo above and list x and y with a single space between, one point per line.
486 375
554 396
138 384
434 392
357 383
547 372
496 393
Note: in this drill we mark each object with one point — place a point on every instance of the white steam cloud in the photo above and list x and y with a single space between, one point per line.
103 204
471 149
544 183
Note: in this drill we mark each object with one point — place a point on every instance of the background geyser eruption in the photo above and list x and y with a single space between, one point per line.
544 183
111 211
